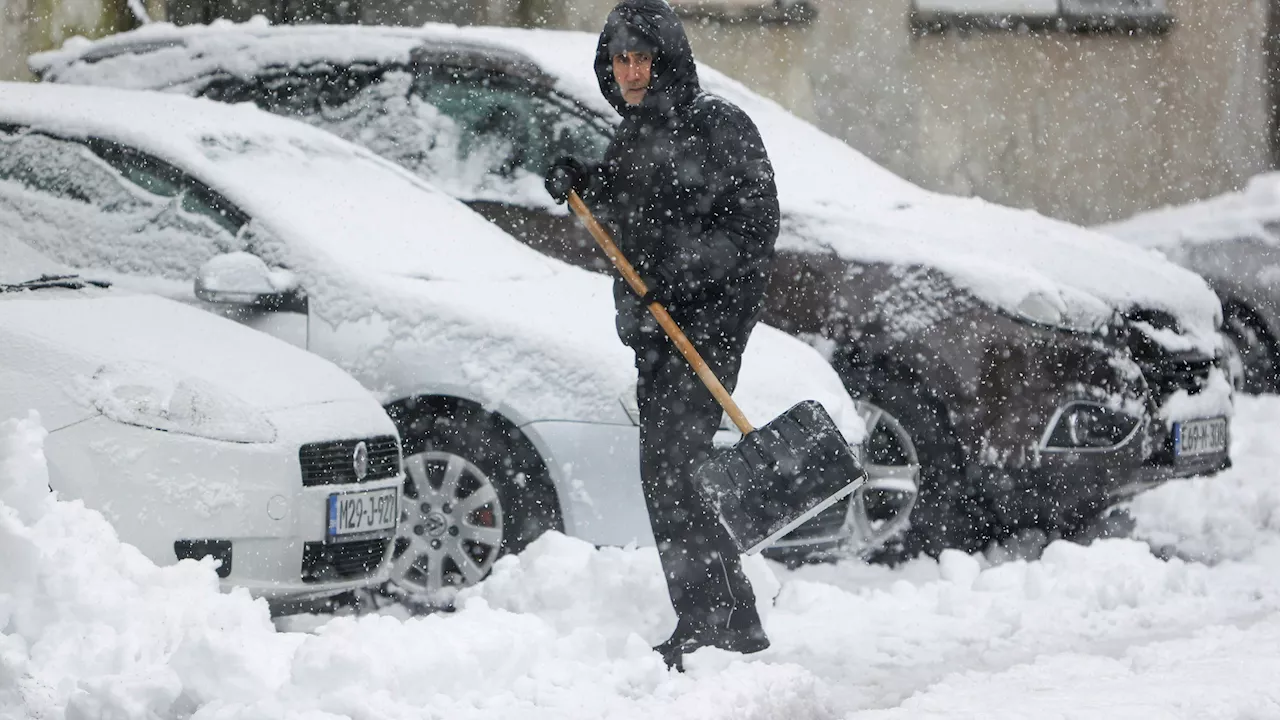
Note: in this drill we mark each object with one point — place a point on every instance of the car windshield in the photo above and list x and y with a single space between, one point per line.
363 212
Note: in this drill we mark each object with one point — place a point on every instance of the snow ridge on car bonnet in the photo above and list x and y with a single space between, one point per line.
833 197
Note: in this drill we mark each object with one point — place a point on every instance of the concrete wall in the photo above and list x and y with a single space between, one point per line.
1082 127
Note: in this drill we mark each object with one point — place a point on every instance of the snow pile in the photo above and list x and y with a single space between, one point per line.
1231 516
92 629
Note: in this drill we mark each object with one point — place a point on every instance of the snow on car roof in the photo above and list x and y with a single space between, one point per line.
286 175
1252 213
833 198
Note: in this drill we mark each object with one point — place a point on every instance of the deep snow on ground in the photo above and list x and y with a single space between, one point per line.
93 630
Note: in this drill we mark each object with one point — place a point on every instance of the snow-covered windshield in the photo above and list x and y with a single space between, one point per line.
361 211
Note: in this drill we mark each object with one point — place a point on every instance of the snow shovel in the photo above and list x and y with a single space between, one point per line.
778 476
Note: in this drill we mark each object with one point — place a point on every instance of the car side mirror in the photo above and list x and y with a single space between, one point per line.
241 278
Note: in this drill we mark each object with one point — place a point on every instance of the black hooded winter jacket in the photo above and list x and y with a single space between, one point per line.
688 187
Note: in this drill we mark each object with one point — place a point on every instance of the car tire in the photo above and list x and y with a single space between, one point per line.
949 512
475 490
1255 349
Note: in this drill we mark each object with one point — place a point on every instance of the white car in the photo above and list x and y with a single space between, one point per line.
197 437
501 367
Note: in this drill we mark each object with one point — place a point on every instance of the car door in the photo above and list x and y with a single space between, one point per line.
99 205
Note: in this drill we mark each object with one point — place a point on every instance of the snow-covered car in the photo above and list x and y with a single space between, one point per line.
500 367
1040 371
198 437
1233 241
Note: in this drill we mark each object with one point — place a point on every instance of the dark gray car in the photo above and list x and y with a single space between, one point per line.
1233 241
1041 372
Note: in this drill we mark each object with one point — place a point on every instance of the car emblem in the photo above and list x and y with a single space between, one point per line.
360 460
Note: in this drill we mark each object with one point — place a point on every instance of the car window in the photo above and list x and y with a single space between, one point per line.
60 169
164 180
506 125
481 137
87 205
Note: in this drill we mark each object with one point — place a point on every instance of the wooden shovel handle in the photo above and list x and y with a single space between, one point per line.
664 318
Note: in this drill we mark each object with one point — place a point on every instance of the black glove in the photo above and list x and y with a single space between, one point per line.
566 174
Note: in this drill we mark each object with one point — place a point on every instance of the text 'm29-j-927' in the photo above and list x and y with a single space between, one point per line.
196 436
501 367
1041 371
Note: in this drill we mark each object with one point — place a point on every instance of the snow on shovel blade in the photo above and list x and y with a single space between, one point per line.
779 476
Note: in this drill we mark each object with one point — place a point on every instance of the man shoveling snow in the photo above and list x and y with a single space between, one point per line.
688 185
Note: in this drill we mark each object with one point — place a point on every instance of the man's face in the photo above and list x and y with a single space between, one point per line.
632 70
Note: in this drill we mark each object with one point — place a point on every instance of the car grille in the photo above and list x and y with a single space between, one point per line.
1170 375
333 462
1166 372
322 562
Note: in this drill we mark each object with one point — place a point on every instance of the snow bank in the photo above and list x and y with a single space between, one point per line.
1230 516
91 629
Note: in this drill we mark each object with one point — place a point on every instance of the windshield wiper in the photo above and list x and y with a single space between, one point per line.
71 282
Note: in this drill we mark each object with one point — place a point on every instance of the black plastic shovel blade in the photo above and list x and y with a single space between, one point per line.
779 476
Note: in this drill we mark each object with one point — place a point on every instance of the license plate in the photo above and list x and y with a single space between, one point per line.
1200 437
357 513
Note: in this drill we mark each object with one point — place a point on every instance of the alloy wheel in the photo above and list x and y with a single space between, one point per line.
450 525
882 507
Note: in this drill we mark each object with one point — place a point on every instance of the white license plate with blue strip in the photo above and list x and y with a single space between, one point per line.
1200 437
358 513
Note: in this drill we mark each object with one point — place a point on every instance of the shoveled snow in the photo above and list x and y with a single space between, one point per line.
92 629
832 196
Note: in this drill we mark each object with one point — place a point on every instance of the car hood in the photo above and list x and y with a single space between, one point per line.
91 339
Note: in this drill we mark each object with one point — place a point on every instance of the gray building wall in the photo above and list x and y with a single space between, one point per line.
1086 128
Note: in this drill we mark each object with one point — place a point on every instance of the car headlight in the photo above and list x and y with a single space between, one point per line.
632 406
151 397
1086 425
1041 308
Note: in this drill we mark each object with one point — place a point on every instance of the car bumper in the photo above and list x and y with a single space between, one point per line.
166 493
1060 488
602 501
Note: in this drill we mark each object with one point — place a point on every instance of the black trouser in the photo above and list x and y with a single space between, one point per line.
678 417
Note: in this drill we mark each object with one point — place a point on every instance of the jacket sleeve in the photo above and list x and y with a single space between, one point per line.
737 226
598 193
